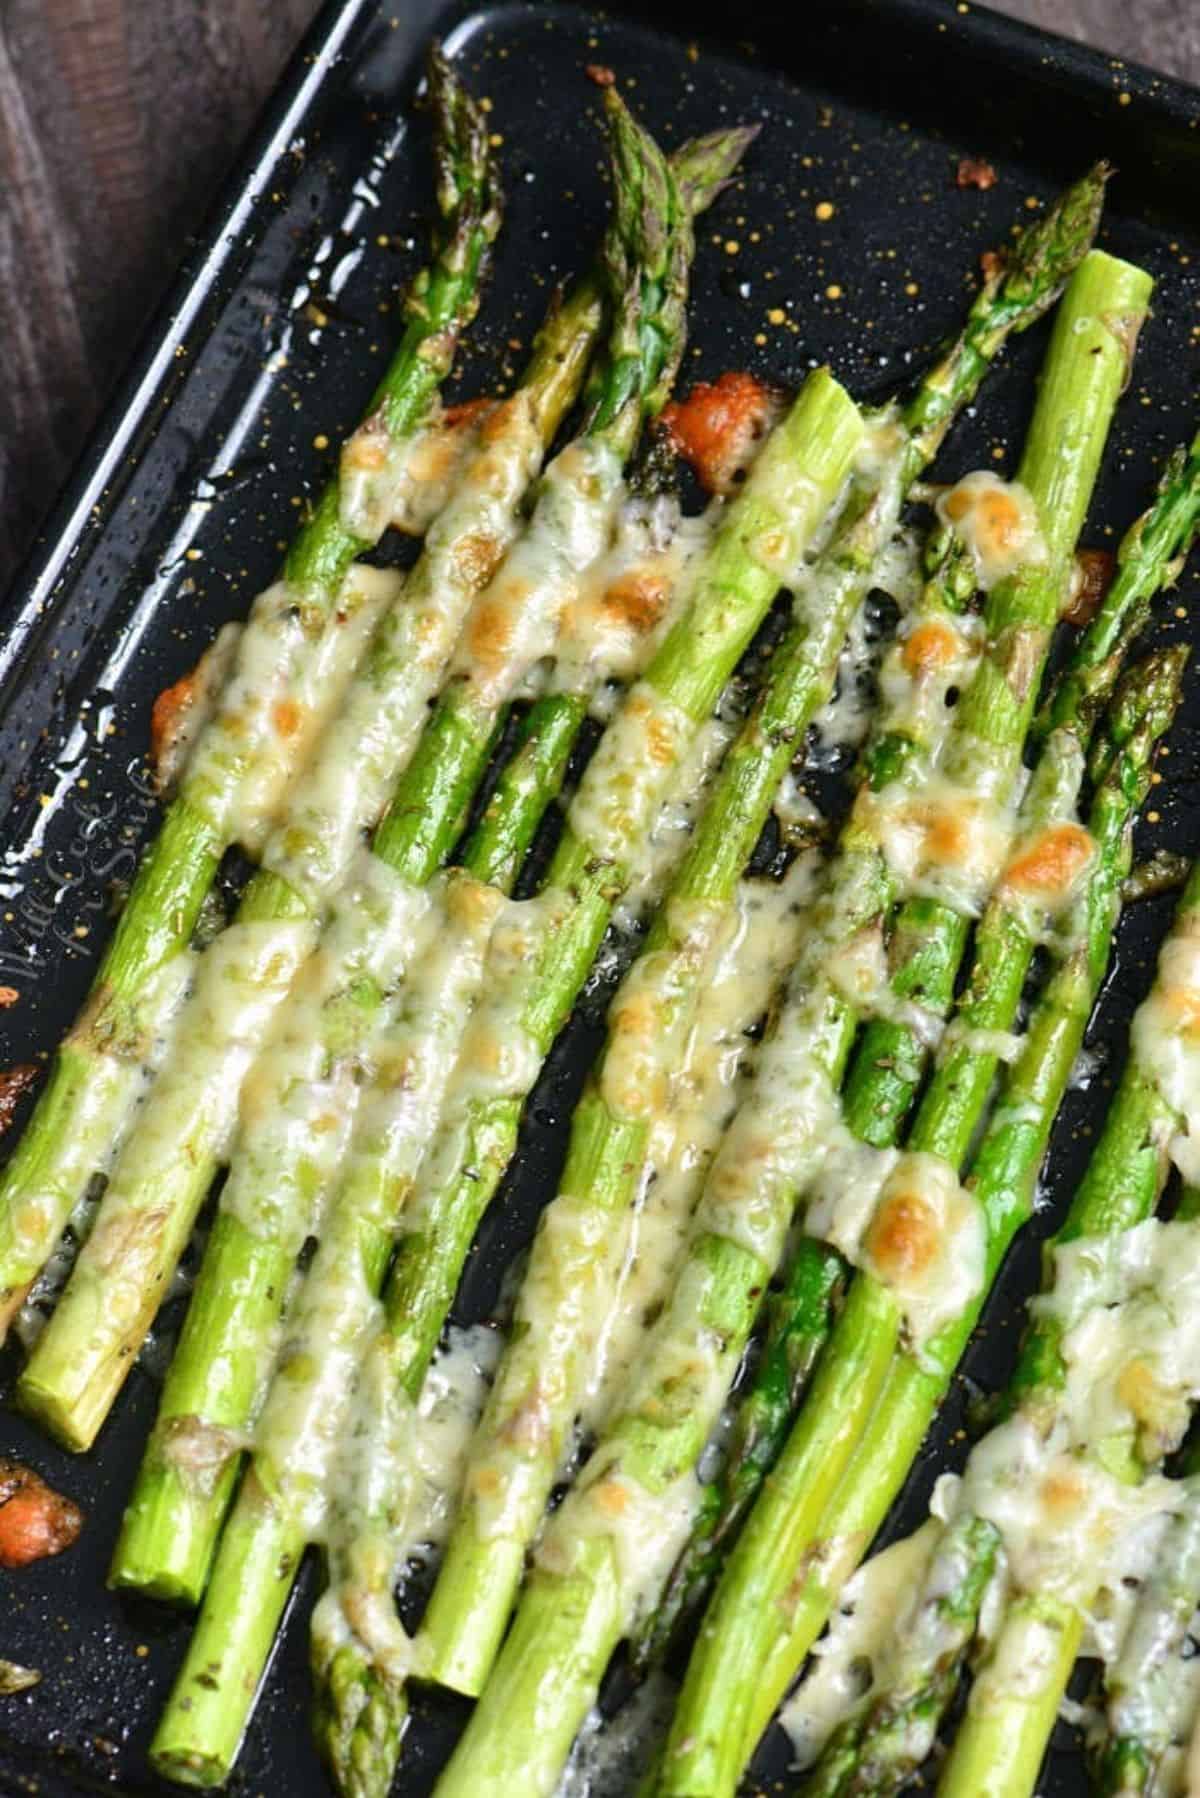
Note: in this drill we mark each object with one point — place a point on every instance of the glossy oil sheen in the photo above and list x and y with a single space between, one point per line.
213 437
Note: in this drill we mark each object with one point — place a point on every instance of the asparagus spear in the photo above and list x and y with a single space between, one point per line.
1141 1687
768 1155
1004 1172
800 1317
83 1355
1003 1736
97 1079
1148 1689
877 1752
171 1525
780 507
929 939
1150 556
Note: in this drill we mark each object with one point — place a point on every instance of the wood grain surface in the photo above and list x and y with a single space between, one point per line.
118 120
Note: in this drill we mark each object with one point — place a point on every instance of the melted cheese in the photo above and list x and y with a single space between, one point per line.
298 1102
1046 875
998 522
643 1530
293 666
933 655
337 1314
345 788
859 971
593 1277
394 1481
1165 1038
653 1005
245 973
403 483
656 855
849 1658
944 841
514 622
705 1084
1125 1303
773 1145
1065 1522
1005 1045
1152 1689
906 1220
630 774
627 600
611 1754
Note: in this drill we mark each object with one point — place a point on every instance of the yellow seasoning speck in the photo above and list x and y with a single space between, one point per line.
833 291
1154 817
911 288
760 337
1124 99
732 246
998 452
320 441
192 555
776 315
383 240
496 139
1032 203
824 209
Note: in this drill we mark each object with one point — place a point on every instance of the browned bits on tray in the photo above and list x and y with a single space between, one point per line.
973 171
167 721
1094 571
15 1082
600 73
35 1520
716 427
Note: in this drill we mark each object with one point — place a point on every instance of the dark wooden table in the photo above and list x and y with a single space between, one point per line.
118 119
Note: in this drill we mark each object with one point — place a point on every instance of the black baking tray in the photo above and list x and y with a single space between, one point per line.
264 355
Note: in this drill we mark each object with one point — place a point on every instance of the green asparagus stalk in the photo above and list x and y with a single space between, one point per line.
875 1754
766 1159
1000 1744
97 1078
1141 1686
790 488
1150 556
83 1355
170 1529
929 940
1003 1177
800 1317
